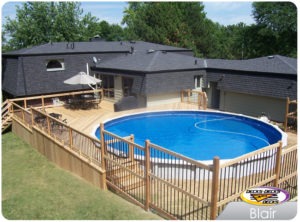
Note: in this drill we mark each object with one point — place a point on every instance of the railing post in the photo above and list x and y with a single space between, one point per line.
204 101
32 119
181 95
103 153
199 100
48 125
25 103
43 103
287 105
70 137
102 146
11 108
147 175
278 164
131 148
215 188
102 93
23 115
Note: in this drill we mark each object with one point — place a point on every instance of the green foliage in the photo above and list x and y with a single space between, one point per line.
32 27
277 16
184 24
111 32
35 189
276 27
180 24
40 22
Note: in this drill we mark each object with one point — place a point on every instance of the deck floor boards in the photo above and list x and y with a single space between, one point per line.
87 120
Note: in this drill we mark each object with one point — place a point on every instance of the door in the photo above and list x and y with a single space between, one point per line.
215 95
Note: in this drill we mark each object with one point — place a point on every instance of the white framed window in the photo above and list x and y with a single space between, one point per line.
198 82
55 65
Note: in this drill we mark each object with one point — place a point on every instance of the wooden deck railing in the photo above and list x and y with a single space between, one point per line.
6 115
42 102
182 188
194 96
290 115
57 99
156 178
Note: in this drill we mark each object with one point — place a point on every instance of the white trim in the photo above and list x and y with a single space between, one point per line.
61 61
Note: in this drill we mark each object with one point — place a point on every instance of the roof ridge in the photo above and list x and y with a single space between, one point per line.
24 50
155 55
285 62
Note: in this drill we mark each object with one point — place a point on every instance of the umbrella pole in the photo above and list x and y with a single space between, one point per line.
87 69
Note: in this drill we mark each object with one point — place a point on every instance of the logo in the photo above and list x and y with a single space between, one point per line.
265 196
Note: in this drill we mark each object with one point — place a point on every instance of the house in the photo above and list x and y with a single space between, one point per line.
252 86
42 69
143 74
152 76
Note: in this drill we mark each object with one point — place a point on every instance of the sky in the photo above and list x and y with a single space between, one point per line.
224 12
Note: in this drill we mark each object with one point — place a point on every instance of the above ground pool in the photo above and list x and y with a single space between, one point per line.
197 134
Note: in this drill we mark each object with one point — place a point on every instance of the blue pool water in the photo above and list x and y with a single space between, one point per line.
198 135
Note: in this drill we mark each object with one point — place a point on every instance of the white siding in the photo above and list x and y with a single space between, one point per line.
253 105
160 99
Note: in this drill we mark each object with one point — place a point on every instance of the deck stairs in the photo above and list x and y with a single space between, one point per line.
126 179
6 116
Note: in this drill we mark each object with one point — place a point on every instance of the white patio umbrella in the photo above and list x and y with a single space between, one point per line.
82 79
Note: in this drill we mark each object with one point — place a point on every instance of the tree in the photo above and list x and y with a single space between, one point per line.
275 32
277 16
277 22
111 32
89 27
40 22
182 24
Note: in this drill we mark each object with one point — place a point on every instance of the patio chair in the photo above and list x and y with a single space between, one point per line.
59 117
96 103
40 119
97 100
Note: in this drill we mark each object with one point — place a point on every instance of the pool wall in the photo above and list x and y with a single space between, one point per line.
251 163
178 169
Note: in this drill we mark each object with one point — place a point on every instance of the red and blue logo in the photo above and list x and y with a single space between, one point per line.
265 196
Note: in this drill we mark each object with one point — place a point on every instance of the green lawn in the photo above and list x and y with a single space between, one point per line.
34 188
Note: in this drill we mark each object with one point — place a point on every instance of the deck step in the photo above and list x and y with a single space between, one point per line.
123 178
115 169
6 122
134 185
125 175
128 184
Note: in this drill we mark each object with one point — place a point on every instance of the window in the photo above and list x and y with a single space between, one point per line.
108 84
55 65
127 86
198 82
107 81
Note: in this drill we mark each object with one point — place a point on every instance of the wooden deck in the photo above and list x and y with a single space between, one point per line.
87 120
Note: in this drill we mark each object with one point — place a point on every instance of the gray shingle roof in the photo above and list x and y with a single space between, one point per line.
267 64
91 47
152 61
271 86
143 61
